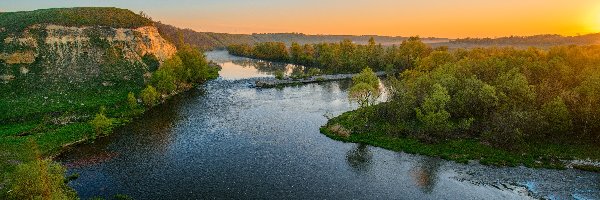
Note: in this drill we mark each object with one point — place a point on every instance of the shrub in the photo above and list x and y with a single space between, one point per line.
164 80
102 124
365 89
149 96
314 72
40 179
131 101
279 74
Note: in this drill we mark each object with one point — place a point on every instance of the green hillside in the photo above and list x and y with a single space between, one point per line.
83 16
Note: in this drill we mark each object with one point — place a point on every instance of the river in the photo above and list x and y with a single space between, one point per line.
226 140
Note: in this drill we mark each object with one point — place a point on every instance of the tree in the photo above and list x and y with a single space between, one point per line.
164 80
296 53
557 119
195 66
101 123
40 179
149 96
432 113
131 101
365 90
411 51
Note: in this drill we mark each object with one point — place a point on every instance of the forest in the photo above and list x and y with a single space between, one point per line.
342 57
505 97
543 41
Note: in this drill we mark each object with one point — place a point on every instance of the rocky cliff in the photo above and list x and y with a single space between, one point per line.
79 54
75 58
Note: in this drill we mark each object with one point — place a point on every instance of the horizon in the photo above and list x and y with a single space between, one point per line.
460 19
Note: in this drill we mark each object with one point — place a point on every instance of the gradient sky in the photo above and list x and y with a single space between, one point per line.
439 18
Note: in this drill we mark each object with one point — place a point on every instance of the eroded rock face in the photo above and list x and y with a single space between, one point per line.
80 54
26 57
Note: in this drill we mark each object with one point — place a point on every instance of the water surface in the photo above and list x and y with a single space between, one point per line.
226 140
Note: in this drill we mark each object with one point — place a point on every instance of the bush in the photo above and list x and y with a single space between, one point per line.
102 124
314 72
40 179
149 96
279 74
164 80
132 101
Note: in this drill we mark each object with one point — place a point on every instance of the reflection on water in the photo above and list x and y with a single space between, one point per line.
359 158
235 68
235 142
424 173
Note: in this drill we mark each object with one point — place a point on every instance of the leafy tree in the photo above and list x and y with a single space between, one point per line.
40 179
164 80
557 119
149 96
131 100
365 90
279 74
432 113
101 123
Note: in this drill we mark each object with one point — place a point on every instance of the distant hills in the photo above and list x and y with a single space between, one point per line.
210 40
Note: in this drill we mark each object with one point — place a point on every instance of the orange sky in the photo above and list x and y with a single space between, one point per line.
440 18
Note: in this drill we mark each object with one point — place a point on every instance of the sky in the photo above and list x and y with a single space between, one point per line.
426 18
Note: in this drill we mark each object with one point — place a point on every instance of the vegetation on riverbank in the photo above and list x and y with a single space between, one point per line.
531 106
537 154
104 108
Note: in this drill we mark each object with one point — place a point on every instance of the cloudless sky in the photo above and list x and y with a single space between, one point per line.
439 18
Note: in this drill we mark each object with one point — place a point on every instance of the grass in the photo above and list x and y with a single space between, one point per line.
50 137
540 155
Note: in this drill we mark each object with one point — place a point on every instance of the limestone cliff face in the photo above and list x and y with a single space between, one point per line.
59 54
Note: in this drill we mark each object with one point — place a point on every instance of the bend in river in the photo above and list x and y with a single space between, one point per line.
226 140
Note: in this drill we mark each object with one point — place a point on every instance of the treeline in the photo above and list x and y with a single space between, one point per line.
342 57
210 40
14 22
505 97
546 40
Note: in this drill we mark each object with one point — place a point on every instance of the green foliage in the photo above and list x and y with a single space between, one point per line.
151 62
195 68
279 74
433 115
365 90
101 123
342 57
149 96
557 121
188 66
314 72
111 17
132 101
503 97
40 179
164 80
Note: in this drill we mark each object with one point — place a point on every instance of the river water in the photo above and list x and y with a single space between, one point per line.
226 140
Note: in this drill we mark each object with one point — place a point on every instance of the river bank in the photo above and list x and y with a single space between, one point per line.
231 141
27 140
313 79
540 155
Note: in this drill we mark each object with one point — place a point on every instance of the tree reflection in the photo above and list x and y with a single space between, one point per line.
425 172
360 158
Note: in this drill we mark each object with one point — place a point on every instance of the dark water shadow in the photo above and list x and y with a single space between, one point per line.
360 158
